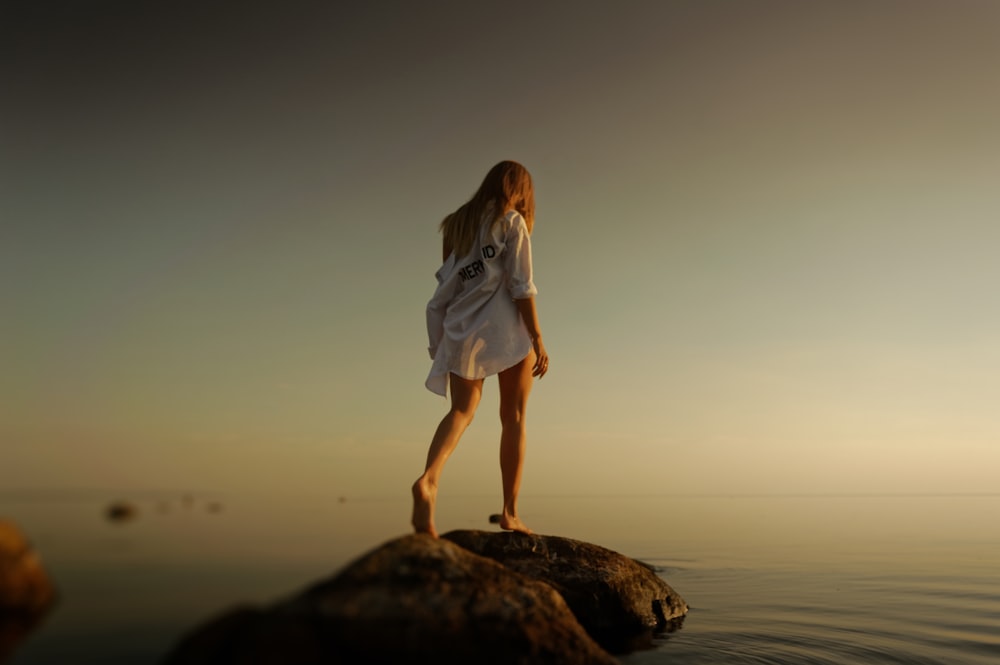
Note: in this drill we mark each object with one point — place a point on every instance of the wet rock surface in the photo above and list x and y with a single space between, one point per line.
621 602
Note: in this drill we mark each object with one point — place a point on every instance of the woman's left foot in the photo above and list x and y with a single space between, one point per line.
424 497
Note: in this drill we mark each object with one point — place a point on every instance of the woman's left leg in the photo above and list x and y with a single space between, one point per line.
515 386
465 395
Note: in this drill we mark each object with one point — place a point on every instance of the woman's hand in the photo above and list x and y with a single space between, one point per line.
541 358
526 307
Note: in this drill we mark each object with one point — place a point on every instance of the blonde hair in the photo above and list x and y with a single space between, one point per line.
507 186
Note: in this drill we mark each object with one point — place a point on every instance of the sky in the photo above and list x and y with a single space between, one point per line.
765 242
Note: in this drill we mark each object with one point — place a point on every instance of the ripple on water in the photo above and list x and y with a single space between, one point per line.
832 618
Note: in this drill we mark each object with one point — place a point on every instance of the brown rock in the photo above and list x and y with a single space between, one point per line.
121 511
414 599
619 600
26 593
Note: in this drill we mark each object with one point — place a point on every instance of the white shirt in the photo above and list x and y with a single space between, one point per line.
473 325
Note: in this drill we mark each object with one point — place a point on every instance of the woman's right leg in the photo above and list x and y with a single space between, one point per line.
515 386
465 394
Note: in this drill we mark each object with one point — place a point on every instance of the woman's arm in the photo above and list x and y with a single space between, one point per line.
529 314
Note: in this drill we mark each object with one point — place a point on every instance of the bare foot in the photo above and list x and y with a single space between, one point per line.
513 523
423 507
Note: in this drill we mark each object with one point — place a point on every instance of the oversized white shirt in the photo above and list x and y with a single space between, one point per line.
473 325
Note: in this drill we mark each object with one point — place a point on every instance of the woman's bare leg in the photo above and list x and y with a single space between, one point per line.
515 385
465 394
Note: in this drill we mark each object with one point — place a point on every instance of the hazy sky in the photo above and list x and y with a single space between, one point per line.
766 241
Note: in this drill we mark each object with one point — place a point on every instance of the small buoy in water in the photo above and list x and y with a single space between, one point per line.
121 511
495 518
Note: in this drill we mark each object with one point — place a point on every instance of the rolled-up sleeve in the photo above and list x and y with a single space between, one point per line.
517 260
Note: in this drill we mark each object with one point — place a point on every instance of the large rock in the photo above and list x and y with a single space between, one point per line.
618 600
26 593
414 599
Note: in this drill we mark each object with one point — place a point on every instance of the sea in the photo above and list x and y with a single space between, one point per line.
776 579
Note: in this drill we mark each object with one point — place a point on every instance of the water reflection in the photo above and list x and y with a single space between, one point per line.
853 576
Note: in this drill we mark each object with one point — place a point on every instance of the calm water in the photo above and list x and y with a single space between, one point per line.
905 579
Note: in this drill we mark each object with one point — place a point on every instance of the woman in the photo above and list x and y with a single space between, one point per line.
480 322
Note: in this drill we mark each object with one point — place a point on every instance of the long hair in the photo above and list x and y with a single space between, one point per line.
507 186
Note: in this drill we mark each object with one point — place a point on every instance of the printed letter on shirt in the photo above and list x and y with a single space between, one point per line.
472 270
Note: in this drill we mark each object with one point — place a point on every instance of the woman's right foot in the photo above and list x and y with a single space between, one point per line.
423 507
514 523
